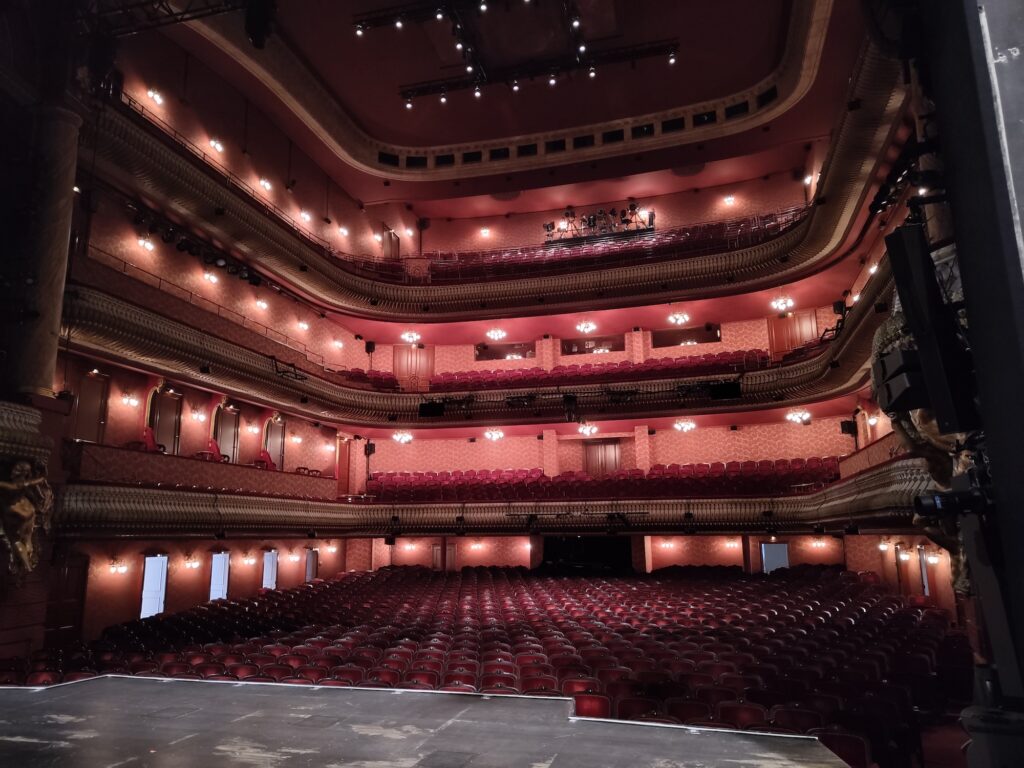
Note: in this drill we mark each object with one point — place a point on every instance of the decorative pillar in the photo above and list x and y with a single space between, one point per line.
40 264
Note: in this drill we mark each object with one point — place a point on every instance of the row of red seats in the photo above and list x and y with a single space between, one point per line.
692 365
766 477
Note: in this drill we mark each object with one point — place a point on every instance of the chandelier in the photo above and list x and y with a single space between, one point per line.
410 336
684 425
402 437
496 334
587 429
799 417
586 326
679 318
782 303
494 434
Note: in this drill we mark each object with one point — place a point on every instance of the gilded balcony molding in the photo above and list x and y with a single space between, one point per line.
881 497
98 324
132 155
282 72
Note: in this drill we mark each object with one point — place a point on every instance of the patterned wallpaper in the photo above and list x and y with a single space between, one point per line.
570 456
904 577
750 442
694 550
801 550
422 455
358 555
469 551
878 452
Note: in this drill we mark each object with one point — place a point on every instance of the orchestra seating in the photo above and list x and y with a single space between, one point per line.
735 478
809 649
587 373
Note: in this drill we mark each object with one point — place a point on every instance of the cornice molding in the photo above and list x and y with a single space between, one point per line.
136 158
283 73
98 324
878 498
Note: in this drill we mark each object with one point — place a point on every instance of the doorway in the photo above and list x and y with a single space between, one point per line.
774 556
154 585
219 575
91 408
449 558
270 569
312 564
165 420
225 431
274 442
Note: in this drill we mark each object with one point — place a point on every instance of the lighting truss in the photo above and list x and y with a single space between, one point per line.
119 18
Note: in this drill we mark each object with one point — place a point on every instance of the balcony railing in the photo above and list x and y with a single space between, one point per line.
107 465
884 449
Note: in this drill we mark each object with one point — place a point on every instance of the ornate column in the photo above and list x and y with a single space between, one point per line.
40 266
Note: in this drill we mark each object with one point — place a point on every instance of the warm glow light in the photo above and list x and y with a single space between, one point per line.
684 425
679 318
586 326
130 400
643 213
265 183
296 439
294 557
729 200
338 344
305 216
408 232
513 356
155 96
494 435
799 417
329 447
527 545
932 559
883 546
253 429
808 179
485 232
118 566
904 556
872 269
872 420
734 544
378 237
782 303
402 437
496 334
563 224
261 304
332 548
210 277
343 231
818 543
600 350
249 560
476 545
303 325
191 563
146 243
198 414
667 544
587 429
408 547
922 191
217 145
410 336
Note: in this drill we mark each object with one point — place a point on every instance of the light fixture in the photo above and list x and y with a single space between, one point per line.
217 145
190 562
253 429
688 343
265 183
130 400
248 559
672 58
563 225
513 356
410 336
378 237
338 344
439 15
494 435
294 557
483 7
575 22
305 216
586 326
408 232
592 72
807 180
855 298
296 439
118 566
734 544
552 80
476 545
155 96
408 547
343 231
773 537
476 92
600 351
782 303
527 546
303 325
261 304
883 546
685 425
398 23
667 544
198 414
359 30
458 45
209 277
799 417
485 232
587 429
408 103
582 47
922 191
332 548
515 86
496 334
444 97
402 437
872 420
76 189
329 447
729 200
679 318
469 68
818 543
146 243
932 559
904 555
872 269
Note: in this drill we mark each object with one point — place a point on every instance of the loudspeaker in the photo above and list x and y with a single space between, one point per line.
651 432
725 390
431 409
839 307
389 540
904 392
369 449
848 427
894 363
371 347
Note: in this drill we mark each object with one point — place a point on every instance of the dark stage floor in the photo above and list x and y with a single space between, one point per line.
119 721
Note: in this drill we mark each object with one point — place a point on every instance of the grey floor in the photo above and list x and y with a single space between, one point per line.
123 721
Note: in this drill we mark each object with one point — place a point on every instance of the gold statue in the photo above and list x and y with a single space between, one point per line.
25 503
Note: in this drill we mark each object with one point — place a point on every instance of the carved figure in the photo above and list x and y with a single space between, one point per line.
25 504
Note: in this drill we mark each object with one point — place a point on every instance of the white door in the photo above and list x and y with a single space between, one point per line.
312 564
774 556
219 575
450 558
270 569
435 559
154 586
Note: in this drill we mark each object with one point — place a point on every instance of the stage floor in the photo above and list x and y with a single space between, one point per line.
124 721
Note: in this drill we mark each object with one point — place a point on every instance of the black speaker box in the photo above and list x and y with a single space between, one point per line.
904 392
369 449
725 390
431 410
848 427
371 347
389 541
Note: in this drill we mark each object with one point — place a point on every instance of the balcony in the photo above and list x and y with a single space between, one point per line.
89 463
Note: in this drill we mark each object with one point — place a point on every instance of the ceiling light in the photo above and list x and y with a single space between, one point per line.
155 96
586 326
494 434
398 23
476 92
303 325
513 356
145 242
807 180
408 103
587 429
872 420
593 72
515 86
684 425
782 303
261 304
679 318
359 30
444 97
265 184
872 269
410 336
378 237
496 334
552 80
209 277
483 7
729 200
672 58
217 145
343 231
575 22
799 417
485 232
583 48
305 216
402 437
439 15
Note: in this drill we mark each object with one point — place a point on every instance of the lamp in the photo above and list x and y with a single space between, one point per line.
402 437
494 435
118 566
586 429
684 425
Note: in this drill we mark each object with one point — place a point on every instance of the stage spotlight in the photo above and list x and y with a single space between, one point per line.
592 72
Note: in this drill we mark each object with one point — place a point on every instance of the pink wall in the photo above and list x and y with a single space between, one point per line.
802 550
695 550
358 554
423 455
112 598
750 442
904 577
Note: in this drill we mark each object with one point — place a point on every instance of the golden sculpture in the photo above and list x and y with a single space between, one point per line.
25 504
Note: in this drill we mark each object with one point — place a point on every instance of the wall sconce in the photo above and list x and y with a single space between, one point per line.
294 557
249 559
667 544
883 546
296 439
733 543
198 414
409 547
118 566
818 543
904 555
329 447
332 548
252 429
191 562
129 399
527 546
476 545
933 559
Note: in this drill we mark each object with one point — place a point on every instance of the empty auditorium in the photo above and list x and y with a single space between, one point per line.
519 384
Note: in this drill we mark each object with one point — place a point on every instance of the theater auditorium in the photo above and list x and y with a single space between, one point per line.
533 383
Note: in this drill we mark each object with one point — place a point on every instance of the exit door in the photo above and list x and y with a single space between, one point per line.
774 556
